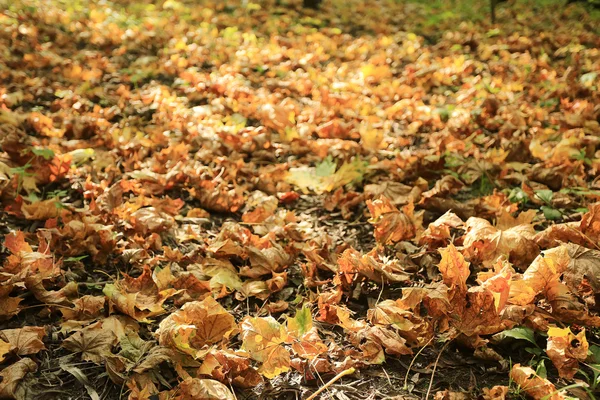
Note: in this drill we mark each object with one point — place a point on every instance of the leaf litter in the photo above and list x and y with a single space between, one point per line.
253 200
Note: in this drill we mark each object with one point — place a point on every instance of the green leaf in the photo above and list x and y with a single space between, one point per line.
521 333
74 259
544 195
47 154
594 354
541 369
325 167
551 213
302 321
517 195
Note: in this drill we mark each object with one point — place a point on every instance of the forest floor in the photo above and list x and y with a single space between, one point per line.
244 199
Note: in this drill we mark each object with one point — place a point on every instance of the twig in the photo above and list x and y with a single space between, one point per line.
413 361
434 368
331 382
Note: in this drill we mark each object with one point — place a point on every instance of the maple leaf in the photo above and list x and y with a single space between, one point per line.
307 343
590 223
86 307
566 350
533 384
495 393
555 235
196 325
324 178
9 306
416 330
454 268
264 339
439 232
228 367
41 210
139 297
26 340
391 224
486 242
93 342
11 377
194 388
351 262
398 193
542 276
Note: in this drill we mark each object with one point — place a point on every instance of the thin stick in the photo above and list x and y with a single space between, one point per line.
331 382
434 368
413 361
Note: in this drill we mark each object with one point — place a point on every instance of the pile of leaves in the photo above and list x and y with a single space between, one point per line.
205 200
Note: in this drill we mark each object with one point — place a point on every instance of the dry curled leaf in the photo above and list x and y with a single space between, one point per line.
566 350
534 385
196 325
391 224
93 342
23 341
264 339
194 388
11 377
486 242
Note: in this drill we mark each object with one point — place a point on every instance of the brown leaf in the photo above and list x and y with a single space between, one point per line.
439 232
196 325
566 350
542 276
391 225
351 262
583 273
454 268
93 342
228 367
486 242
206 389
495 393
140 297
590 223
41 210
534 385
399 193
23 341
555 235
264 338
415 329
12 375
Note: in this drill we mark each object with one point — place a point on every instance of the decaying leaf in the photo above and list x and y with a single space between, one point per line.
535 386
566 350
140 297
23 341
11 377
264 339
93 342
487 242
391 224
196 325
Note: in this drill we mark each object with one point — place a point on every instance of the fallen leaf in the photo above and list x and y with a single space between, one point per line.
566 350
194 388
535 386
93 342
196 325
26 340
487 243
11 377
264 339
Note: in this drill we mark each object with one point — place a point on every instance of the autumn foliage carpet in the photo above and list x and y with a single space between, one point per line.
221 200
